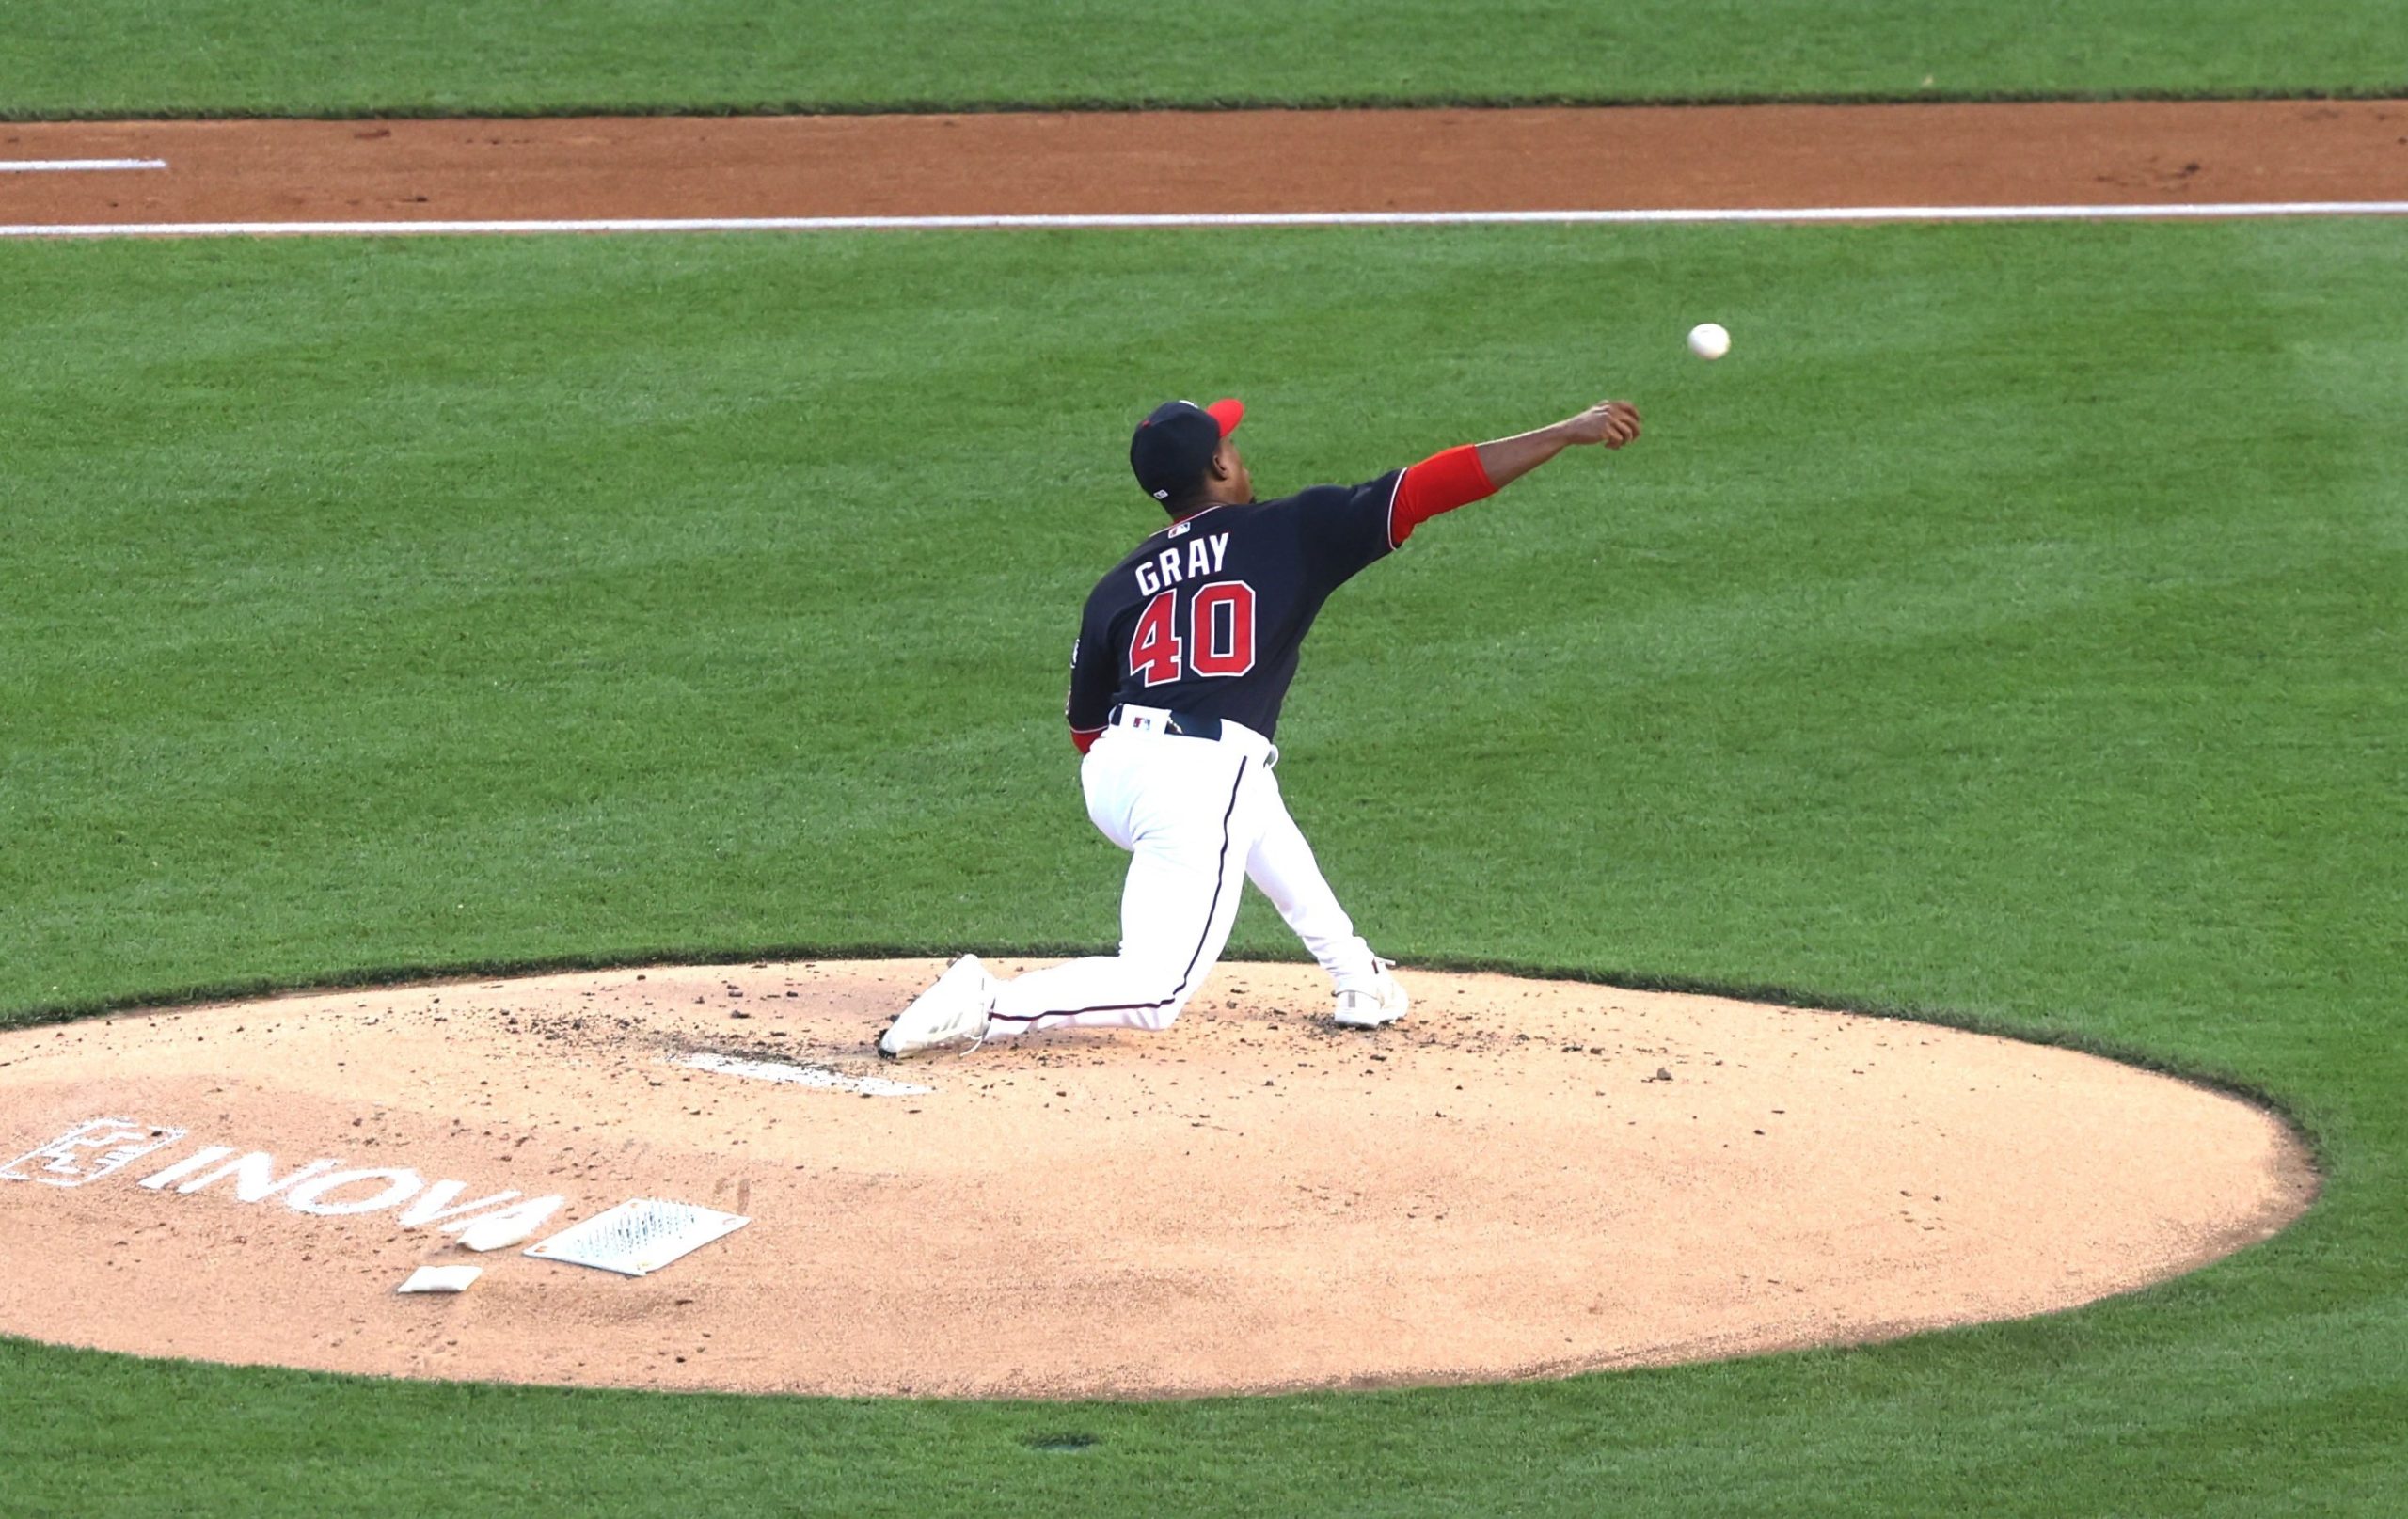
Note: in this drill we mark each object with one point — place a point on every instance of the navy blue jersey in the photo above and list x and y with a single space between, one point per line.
1205 616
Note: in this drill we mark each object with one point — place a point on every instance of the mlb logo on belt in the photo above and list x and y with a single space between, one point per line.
88 1152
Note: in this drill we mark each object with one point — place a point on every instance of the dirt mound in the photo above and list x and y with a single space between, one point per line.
1525 1178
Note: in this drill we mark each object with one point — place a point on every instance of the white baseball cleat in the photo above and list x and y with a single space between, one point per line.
954 1008
1384 1002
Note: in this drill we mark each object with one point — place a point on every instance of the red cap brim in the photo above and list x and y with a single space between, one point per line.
1228 412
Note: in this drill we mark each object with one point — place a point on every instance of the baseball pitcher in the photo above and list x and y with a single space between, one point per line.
1182 660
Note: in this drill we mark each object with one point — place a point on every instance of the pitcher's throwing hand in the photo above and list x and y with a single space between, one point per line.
1612 423
1182 662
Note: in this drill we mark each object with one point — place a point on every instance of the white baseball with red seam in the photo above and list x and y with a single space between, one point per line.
1708 339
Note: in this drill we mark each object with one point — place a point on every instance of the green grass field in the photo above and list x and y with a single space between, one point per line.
2008 630
279 58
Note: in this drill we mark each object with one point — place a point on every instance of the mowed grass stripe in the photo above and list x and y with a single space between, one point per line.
115 59
2004 631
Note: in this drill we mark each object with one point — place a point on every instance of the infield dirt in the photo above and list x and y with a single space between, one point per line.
1525 1179
2170 152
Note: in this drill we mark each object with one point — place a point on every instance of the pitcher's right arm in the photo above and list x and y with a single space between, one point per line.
1460 476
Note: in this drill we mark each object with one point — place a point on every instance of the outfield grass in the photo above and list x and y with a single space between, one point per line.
2008 630
279 58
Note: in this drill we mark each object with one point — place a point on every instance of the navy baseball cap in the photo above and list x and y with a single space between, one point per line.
1172 446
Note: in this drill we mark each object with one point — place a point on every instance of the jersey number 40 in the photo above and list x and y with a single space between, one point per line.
1219 641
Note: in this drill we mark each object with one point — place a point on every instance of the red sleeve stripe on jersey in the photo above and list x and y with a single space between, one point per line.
1084 738
1441 482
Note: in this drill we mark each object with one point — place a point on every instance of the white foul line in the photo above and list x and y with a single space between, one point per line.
1113 221
75 166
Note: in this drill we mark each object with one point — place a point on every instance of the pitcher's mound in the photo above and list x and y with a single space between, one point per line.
1525 1178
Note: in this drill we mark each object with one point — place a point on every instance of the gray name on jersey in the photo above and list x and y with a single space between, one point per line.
1169 567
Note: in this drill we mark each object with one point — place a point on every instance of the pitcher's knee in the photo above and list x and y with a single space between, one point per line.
1160 979
1157 1015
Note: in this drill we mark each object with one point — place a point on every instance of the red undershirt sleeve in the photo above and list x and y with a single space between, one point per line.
1441 482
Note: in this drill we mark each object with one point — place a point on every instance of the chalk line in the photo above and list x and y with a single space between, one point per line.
1132 221
75 165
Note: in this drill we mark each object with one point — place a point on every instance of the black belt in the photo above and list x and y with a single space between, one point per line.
1184 724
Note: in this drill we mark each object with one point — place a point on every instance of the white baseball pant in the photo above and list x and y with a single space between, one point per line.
1200 817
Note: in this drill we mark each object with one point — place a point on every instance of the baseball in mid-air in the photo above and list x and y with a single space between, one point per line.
1708 339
